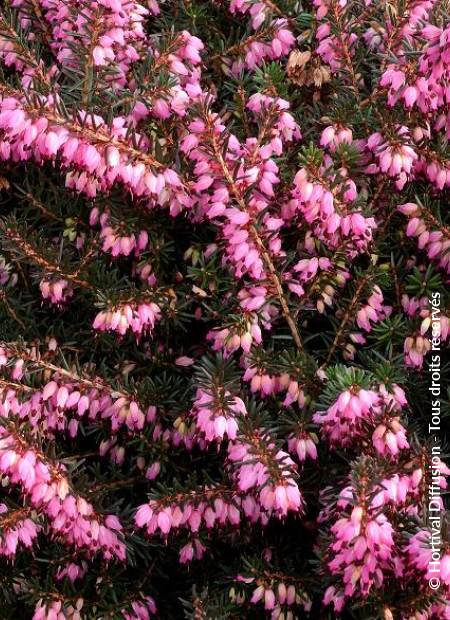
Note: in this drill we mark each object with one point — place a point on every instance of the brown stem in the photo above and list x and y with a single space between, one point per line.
46 32
238 48
428 216
98 385
32 254
345 319
205 494
94 134
10 309
337 14
276 281
89 67
398 294
116 484
25 54
259 243
12 518
11 385
39 205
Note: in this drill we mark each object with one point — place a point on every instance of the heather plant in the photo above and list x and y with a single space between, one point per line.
224 258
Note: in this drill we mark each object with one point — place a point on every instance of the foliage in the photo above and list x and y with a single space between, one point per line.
223 239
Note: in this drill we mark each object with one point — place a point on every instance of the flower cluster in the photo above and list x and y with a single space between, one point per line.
418 344
209 510
373 312
253 471
61 404
277 597
344 419
394 158
358 412
96 157
303 444
434 242
366 546
140 610
328 210
116 243
215 415
48 490
56 291
140 318
52 610
120 36
17 530
272 39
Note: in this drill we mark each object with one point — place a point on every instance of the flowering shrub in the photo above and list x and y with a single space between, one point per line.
224 251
